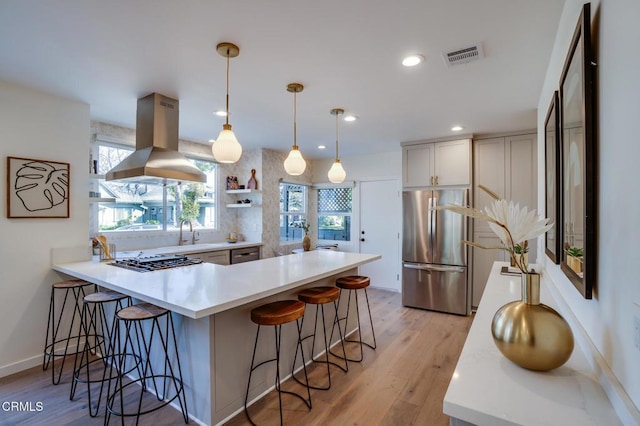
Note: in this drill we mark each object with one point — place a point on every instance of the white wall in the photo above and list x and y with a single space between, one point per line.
363 167
608 318
40 126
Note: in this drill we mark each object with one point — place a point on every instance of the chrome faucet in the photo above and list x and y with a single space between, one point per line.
182 222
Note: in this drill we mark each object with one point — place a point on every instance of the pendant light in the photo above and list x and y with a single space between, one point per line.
336 172
294 164
227 149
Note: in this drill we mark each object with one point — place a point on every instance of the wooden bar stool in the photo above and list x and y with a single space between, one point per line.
98 320
277 314
53 342
353 283
320 296
129 321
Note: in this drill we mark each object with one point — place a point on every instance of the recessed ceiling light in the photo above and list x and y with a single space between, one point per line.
322 146
412 60
457 128
220 113
212 140
350 118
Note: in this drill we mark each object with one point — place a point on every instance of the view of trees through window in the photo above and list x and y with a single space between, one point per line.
334 214
141 206
293 211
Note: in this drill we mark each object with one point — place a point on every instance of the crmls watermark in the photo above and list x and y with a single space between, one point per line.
14 406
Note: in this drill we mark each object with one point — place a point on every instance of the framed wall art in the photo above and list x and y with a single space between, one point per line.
37 188
553 237
579 161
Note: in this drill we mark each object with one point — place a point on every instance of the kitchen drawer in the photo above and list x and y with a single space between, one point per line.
245 254
219 257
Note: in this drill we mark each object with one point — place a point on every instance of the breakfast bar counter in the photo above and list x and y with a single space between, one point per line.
213 326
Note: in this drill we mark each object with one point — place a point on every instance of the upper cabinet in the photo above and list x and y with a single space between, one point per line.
437 164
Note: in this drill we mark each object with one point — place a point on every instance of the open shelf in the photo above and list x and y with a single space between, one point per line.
243 205
241 191
101 200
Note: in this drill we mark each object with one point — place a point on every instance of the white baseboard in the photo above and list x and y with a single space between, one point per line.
16 367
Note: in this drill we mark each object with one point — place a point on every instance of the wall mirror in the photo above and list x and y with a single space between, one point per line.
552 179
579 226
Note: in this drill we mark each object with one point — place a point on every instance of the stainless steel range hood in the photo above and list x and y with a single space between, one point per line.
156 158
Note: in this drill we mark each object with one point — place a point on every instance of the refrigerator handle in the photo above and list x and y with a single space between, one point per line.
440 268
421 267
431 267
430 229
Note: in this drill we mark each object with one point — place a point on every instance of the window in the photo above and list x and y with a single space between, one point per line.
293 210
334 214
139 206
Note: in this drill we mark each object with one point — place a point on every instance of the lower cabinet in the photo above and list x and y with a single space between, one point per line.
219 257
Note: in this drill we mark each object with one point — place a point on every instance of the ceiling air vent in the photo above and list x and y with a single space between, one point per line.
462 56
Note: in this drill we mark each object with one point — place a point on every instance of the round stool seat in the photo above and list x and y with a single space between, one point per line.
104 296
71 284
276 313
319 295
353 282
141 312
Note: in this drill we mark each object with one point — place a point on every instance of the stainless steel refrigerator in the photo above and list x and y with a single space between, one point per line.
434 258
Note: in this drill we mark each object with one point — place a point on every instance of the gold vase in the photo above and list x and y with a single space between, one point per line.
306 242
531 334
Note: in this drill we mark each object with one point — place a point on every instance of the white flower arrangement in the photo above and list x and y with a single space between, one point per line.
514 225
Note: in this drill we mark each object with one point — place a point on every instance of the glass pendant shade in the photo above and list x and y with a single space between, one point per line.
226 149
295 164
336 172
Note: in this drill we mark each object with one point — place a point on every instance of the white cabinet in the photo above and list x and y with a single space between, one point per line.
219 257
507 166
437 163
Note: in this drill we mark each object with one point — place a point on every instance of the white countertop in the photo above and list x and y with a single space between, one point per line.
200 290
488 389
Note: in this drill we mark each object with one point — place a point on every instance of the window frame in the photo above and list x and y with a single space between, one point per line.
304 212
349 214
96 179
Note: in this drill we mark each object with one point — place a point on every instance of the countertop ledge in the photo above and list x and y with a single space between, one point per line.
201 290
488 389
187 248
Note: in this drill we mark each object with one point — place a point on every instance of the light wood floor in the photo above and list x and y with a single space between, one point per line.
403 382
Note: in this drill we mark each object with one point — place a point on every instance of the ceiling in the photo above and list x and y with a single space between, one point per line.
346 53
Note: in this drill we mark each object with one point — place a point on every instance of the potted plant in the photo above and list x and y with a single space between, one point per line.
521 252
574 258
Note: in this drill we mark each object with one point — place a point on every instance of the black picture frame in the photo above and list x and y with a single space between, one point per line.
579 161
553 237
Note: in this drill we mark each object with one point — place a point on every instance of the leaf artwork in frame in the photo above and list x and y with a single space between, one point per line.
37 188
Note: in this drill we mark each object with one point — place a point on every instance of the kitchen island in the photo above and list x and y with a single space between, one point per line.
214 329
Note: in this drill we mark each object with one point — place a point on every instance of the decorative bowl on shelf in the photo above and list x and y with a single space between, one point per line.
229 240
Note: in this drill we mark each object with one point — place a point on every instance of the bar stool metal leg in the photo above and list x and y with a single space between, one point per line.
288 309
52 339
172 388
346 320
95 323
327 361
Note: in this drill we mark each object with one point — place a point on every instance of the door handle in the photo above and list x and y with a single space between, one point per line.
431 180
436 180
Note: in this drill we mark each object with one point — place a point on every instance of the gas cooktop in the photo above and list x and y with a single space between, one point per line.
155 263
